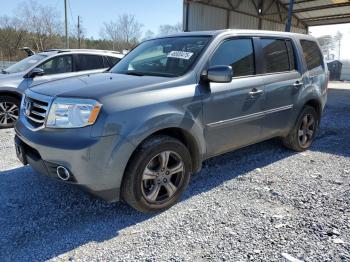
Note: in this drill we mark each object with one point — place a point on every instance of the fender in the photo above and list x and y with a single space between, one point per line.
131 139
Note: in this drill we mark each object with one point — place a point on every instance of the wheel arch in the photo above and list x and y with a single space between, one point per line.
316 104
184 137
11 93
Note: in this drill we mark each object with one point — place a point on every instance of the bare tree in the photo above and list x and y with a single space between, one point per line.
327 45
110 32
338 39
170 29
42 21
124 33
130 30
148 35
12 34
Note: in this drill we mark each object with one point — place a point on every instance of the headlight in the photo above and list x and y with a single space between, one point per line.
73 113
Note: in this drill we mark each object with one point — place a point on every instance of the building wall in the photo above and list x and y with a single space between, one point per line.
218 15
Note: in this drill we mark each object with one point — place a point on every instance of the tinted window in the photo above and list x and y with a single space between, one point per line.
113 60
291 55
276 55
237 53
58 65
312 54
90 62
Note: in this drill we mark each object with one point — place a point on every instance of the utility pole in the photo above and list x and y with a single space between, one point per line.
66 23
78 32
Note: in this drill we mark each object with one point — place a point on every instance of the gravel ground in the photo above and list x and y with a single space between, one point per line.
261 203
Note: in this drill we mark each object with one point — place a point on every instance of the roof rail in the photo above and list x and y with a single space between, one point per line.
59 50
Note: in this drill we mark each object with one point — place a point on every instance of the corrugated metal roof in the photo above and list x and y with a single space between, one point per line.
243 14
321 12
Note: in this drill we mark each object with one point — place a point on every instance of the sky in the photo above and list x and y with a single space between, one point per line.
93 13
318 31
150 13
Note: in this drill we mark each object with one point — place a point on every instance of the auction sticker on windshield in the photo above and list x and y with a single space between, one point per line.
180 55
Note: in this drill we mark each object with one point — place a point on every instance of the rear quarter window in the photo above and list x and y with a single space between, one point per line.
113 60
312 54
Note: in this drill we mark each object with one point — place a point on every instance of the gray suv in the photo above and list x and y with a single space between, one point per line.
47 66
138 131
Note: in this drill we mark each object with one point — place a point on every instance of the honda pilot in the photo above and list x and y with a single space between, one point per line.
138 131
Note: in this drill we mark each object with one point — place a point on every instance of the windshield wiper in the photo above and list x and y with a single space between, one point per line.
133 73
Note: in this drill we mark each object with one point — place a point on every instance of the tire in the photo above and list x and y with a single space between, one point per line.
304 132
146 186
9 110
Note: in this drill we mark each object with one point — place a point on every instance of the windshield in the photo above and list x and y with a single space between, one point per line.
168 57
24 64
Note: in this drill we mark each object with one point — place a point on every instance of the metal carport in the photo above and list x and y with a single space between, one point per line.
264 14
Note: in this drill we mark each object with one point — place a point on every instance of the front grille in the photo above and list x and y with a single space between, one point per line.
35 110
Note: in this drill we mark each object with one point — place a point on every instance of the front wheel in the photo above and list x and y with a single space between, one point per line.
9 109
157 174
304 131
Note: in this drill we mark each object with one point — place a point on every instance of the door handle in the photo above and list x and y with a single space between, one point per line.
297 84
255 92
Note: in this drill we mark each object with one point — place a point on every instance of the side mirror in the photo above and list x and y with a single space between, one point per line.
219 74
35 72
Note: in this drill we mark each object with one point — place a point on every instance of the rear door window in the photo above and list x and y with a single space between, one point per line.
237 53
312 54
275 55
90 62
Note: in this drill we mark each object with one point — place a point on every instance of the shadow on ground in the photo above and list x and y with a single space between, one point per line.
41 218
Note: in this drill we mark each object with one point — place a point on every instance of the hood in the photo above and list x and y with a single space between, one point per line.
11 80
97 85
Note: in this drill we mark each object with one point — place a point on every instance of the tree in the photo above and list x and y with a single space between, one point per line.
124 33
43 22
170 29
110 32
12 35
327 45
130 30
148 35
338 39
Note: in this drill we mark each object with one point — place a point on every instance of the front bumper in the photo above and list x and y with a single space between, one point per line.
96 163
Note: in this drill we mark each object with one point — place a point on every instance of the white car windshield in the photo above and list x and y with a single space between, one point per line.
25 64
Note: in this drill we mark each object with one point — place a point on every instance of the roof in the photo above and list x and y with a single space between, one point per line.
321 12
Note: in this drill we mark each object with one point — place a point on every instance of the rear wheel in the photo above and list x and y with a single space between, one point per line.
157 175
304 131
9 110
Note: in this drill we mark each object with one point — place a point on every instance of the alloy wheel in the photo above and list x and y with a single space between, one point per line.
307 130
162 177
8 113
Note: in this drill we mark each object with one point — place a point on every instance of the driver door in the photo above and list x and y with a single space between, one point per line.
55 68
233 111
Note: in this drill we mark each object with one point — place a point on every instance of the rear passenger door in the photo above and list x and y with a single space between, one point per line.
282 81
233 111
88 63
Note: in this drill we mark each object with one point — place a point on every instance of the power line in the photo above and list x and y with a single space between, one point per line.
70 10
